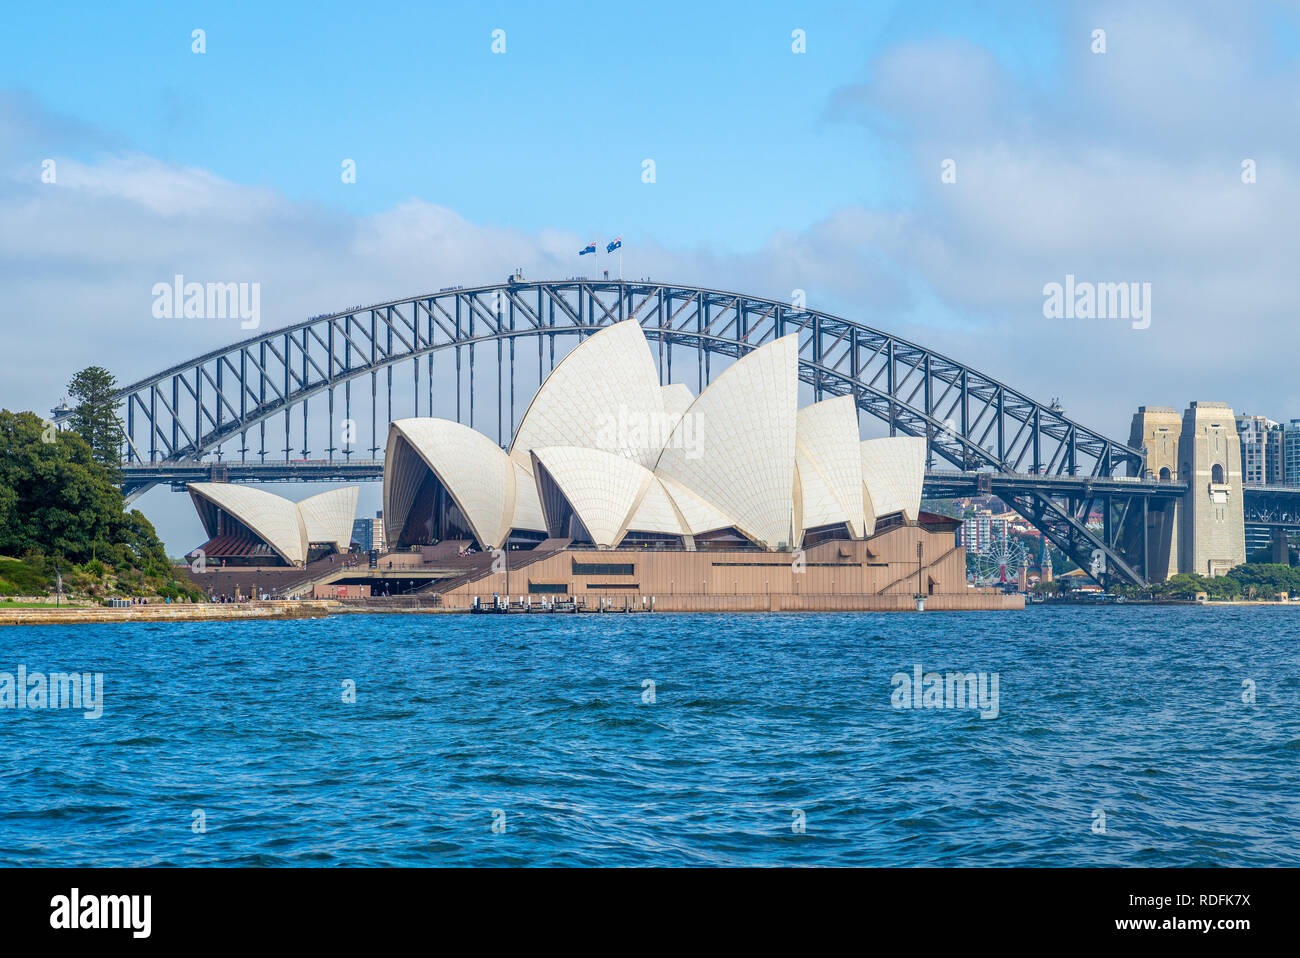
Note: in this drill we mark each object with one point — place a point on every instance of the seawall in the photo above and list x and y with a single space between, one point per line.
176 612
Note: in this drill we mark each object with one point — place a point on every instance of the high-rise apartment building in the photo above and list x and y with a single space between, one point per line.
1261 451
1291 453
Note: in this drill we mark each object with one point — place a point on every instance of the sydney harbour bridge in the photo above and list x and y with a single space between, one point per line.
243 413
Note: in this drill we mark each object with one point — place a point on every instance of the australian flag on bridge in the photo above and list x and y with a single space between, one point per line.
617 244
589 248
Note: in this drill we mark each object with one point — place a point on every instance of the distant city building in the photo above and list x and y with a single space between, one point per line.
1291 453
980 531
377 532
363 534
1014 522
1258 538
1261 451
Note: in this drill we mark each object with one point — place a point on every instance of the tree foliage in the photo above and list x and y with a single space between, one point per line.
94 414
1265 580
1186 585
1255 580
58 501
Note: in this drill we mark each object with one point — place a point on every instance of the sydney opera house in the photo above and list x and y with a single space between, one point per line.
616 489
616 486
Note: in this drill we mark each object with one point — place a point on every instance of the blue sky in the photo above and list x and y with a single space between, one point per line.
551 134
775 171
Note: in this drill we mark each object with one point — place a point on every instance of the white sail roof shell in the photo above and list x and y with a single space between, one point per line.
328 517
273 518
604 394
528 507
698 516
744 465
602 488
677 398
476 472
893 474
656 512
829 463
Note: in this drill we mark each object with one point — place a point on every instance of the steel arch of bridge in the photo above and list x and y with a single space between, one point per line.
972 421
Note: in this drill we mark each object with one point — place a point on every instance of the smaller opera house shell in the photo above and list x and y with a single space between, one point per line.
250 527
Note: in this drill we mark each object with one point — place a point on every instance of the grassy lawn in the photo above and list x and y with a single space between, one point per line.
16 578
65 604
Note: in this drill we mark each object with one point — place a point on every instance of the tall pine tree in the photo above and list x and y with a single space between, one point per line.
94 414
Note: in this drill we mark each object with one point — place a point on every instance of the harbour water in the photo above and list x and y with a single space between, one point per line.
1123 736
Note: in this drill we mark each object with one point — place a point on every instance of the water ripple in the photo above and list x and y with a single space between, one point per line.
1122 739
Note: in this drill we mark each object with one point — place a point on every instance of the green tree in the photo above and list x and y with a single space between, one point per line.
62 501
94 414
941 507
60 507
1267 579
55 498
1184 585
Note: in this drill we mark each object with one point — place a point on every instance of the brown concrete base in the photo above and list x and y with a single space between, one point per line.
834 603
879 574
775 602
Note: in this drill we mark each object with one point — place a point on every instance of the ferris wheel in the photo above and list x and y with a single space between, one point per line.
998 563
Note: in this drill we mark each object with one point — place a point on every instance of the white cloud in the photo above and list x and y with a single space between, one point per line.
1126 169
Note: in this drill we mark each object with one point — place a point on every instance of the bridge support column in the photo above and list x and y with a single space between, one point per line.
1205 532
1156 430
1281 548
1213 530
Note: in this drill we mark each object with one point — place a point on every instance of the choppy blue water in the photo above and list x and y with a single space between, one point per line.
538 723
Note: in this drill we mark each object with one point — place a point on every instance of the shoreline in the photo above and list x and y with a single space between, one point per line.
1162 602
175 612
283 610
